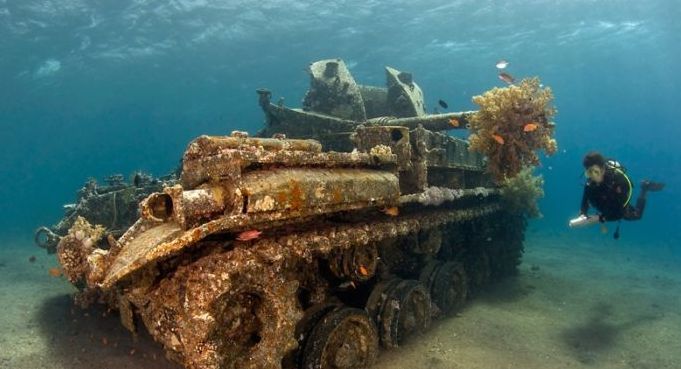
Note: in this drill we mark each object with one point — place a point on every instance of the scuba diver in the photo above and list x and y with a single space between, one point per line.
609 190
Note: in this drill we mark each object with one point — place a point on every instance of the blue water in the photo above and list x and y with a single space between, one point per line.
90 88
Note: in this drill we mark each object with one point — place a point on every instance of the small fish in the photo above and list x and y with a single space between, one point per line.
443 104
55 272
248 235
363 271
32 259
529 127
392 211
502 64
506 78
498 139
454 122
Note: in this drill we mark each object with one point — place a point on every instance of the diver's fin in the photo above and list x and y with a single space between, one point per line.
647 185
616 235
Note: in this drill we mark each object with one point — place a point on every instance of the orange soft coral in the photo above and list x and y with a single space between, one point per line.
498 129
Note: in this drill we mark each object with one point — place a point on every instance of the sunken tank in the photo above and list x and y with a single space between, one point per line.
345 227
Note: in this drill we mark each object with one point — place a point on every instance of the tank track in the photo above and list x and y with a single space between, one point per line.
291 300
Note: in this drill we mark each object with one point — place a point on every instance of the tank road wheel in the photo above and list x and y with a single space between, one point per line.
450 287
429 273
304 329
378 297
228 311
345 338
400 308
478 270
356 263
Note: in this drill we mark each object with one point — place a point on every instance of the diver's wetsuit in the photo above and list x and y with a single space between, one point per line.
610 197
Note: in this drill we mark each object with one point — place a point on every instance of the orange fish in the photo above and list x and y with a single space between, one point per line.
363 271
454 122
392 211
55 272
529 127
248 235
498 139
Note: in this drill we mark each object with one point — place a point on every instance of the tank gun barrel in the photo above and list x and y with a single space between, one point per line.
434 122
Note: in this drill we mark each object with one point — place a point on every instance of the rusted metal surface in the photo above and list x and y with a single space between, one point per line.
227 164
227 310
441 150
333 91
444 161
332 112
113 204
171 325
311 244
270 250
375 100
401 308
432 122
344 338
396 138
137 253
356 263
405 98
434 196
299 189
263 264
300 123
211 145
167 239
448 285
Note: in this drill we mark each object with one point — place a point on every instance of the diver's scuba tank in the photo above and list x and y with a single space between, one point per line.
583 220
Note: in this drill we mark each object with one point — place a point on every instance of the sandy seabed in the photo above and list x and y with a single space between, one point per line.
573 305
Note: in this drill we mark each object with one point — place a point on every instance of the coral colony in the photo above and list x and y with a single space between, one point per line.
512 124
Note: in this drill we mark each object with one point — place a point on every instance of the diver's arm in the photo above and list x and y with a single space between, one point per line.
585 201
621 189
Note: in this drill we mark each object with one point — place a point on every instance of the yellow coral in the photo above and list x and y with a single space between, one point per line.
500 128
521 193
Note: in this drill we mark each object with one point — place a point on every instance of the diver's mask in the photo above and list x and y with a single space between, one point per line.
595 173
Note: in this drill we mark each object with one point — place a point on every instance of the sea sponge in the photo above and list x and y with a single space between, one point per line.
511 124
75 250
521 192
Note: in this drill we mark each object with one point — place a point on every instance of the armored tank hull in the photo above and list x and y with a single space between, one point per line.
279 253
